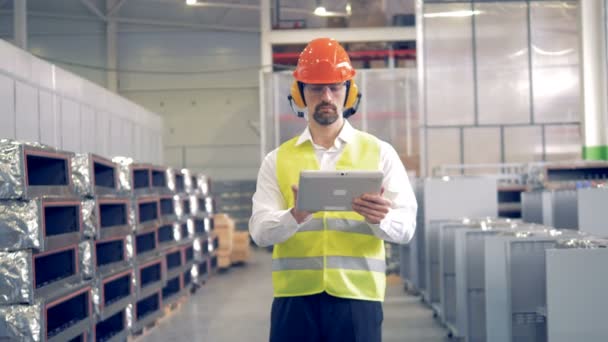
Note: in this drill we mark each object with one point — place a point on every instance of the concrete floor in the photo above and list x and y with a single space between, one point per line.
235 306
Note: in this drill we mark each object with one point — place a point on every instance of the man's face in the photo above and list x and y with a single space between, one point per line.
325 102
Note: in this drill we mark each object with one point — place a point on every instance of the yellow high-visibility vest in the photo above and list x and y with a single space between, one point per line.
335 252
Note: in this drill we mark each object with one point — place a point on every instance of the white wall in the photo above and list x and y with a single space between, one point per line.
207 112
210 107
42 102
79 42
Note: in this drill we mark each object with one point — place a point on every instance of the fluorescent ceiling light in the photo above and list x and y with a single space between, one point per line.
190 2
452 14
320 11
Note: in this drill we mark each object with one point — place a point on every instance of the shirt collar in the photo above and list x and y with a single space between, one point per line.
346 134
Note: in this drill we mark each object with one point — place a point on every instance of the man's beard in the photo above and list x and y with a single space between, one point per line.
325 118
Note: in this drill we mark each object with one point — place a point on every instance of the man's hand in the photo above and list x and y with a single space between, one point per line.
299 216
372 206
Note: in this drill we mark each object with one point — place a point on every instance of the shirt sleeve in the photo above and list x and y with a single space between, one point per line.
399 225
270 224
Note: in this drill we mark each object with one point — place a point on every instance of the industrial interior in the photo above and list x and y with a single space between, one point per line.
132 135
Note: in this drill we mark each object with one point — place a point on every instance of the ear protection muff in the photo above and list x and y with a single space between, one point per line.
352 91
351 102
296 98
297 94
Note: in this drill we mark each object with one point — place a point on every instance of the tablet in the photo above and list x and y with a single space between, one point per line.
335 190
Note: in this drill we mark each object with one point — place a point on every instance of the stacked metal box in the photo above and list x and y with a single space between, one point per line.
577 301
109 223
440 199
515 284
551 198
491 279
144 275
93 249
592 213
462 272
205 241
45 261
440 258
556 208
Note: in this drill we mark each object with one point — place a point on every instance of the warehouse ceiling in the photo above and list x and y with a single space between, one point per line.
228 15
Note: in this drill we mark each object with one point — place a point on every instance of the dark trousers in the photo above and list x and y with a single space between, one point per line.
325 318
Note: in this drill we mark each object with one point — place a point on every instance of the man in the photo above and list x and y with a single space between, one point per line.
329 267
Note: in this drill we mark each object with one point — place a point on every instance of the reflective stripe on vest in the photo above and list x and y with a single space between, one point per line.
340 225
335 252
342 262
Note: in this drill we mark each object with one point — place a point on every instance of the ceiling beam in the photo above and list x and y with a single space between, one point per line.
148 22
344 35
116 7
53 15
156 22
244 7
88 4
224 5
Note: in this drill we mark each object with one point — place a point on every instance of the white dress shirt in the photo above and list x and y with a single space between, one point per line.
271 224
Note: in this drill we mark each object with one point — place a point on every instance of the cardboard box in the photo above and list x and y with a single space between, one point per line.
223 258
223 262
222 220
240 255
225 237
224 229
241 238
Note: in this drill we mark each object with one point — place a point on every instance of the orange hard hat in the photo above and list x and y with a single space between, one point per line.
324 61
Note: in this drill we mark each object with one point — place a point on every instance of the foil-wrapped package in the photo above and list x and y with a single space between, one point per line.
113 255
188 254
186 206
32 170
179 206
168 235
169 206
27 275
93 175
189 233
106 217
130 314
133 178
130 246
113 293
87 258
195 275
197 245
21 323
176 180
190 181
42 224
89 218
62 316
206 205
125 182
17 278
160 180
195 208
147 212
203 184
154 270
